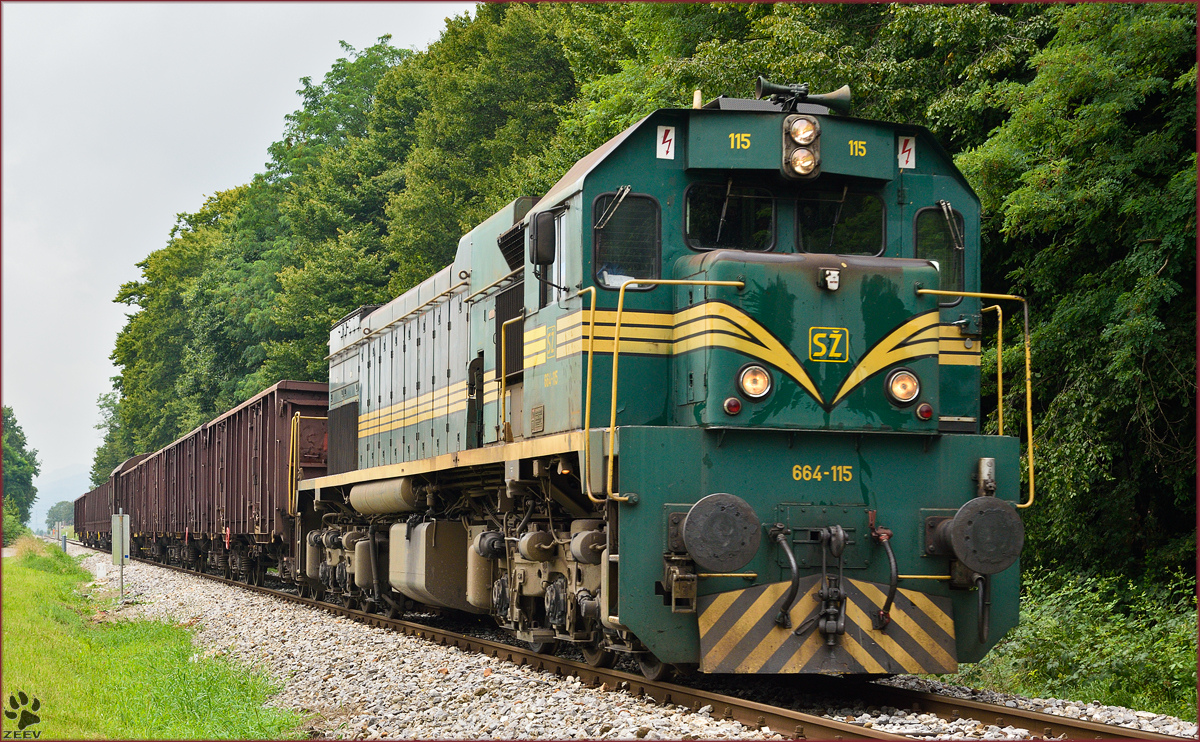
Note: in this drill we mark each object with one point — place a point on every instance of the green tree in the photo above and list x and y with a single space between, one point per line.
116 446
21 465
1089 191
492 85
150 348
63 511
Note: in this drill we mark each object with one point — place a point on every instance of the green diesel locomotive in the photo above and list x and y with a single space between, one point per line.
712 401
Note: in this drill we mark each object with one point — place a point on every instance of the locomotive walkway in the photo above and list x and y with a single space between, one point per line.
963 714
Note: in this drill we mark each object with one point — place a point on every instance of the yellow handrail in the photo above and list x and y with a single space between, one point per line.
587 405
294 462
612 426
505 433
999 362
1028 366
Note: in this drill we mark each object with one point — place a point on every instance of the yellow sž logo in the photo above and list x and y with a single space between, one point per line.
828 344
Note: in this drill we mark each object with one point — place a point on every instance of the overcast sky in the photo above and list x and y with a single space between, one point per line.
115 118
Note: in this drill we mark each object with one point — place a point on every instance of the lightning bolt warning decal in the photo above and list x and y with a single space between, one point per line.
906 149
666 142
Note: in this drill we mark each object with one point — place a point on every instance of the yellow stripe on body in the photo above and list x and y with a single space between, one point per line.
929 608
416 412
427 396
957 360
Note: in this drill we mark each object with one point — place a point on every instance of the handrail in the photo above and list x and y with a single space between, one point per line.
1028 366
612 426
999 362
368 334
493 284
505 432
587 406
294 462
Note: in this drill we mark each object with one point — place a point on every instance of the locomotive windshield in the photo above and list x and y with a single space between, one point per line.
722 215
840 223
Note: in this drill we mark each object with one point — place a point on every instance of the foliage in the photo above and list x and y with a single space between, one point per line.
62 511
21 465
14 529
142 678
1075 124
1089 189
1105 639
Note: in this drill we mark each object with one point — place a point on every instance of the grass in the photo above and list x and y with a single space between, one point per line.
1101 639
121 679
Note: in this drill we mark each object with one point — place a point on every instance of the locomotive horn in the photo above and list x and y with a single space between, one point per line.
764 87
790 95
838 100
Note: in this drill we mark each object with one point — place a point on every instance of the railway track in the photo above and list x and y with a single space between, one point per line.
791 723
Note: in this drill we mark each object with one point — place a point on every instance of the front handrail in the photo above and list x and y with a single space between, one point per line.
587 405
612 426
999 362
1028 367
294 462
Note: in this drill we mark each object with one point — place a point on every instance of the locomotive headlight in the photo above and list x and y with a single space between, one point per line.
902 386
803 130
754 381
803 160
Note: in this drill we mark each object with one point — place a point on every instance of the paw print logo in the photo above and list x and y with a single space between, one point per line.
28 718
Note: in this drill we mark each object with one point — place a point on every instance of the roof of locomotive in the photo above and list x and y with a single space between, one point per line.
572 180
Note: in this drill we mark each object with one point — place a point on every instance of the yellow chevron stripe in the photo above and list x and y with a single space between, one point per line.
900 344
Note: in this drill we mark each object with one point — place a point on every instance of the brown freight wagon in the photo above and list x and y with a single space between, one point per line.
94 510
220 493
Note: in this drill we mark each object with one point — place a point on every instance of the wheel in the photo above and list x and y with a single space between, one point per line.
392 611
256 574
350 603
653 668
544 647
597 656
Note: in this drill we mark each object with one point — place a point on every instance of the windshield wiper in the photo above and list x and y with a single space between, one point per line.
615 204
724 208
837 215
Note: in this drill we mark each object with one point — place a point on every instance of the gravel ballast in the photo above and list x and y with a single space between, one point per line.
358 681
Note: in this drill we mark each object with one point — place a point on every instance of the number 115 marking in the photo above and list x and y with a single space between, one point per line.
858 148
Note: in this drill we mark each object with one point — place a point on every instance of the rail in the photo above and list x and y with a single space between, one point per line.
368 334
294 462
789 723
612 426
1028 367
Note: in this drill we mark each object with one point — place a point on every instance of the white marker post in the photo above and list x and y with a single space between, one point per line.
120 544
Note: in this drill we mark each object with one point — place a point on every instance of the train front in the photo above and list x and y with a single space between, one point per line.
808 491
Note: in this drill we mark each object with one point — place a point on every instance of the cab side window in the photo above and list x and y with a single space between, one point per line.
936 242
626 238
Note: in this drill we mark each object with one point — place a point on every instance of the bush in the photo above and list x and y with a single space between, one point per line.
13 528
1100 638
